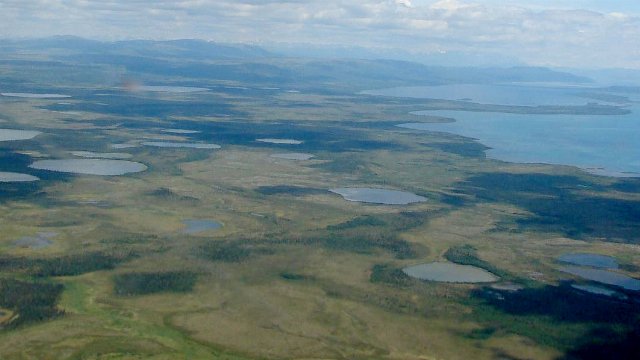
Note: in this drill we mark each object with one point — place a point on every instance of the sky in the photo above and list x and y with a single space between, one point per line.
558 33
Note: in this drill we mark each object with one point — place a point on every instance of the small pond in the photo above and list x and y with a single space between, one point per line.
195 226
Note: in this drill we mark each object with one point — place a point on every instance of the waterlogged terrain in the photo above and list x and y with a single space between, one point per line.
90 166
449 272
378 196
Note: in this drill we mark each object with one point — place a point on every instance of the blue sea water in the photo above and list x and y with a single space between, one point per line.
601 144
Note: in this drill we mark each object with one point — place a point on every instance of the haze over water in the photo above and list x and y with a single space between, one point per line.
602 144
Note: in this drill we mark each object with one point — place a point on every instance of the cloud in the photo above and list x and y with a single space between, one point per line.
405 3
538 34
450 5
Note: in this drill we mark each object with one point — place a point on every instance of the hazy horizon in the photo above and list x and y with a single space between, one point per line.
573 34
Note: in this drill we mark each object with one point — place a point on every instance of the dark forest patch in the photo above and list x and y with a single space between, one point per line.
289 190
31 301
559 205
154 282
67 265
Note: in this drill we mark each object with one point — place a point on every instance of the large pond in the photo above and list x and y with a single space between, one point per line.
196 226
593 260
13 135
16 177
450 272
292 156
378 196
35 96
601 144
95 155
603 277
90 166
280 141
166 144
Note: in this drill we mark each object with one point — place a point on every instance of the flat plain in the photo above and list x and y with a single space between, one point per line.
296 271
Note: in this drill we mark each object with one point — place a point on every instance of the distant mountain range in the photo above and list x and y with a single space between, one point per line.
198 59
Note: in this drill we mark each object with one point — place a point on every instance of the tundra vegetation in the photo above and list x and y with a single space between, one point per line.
296 271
